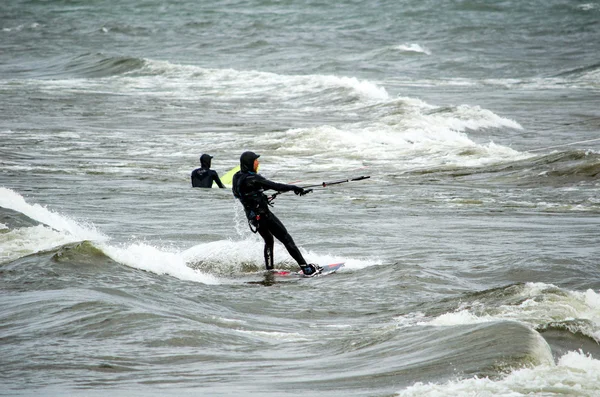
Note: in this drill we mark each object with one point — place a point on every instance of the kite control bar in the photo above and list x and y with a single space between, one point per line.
323 184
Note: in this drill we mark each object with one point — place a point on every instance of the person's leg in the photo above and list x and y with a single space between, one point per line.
263 230
280 232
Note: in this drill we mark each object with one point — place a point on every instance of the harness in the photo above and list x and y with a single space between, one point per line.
255 202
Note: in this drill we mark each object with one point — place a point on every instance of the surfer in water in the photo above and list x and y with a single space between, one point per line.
248 187
204 176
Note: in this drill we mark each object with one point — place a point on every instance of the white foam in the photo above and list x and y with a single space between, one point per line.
413 47
200 263
575 375
588 6
546 303
228 257
474 117
14 201
244 83
272 335
349 263
56 230
419 134
16 28
213 262
147 257
365 88
29 240
458 318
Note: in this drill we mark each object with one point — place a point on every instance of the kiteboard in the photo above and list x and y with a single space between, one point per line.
326 270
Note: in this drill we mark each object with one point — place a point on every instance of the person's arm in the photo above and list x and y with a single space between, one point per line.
218 180
193 178
280 187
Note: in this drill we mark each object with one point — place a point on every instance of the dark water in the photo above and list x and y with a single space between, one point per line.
471 253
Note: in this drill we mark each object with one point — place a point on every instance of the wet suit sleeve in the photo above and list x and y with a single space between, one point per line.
280 187
218 180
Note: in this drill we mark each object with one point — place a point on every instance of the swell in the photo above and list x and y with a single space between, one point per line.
251 86
427 353
566 319
87 66
580 72
570 335
12 219
95 65
562 168
59 267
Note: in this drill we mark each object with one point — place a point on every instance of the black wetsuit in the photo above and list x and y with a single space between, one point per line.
248 187
204 176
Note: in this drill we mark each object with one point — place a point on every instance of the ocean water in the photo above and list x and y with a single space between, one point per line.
471 253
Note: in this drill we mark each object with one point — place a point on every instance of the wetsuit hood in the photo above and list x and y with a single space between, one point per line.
247 161
205 160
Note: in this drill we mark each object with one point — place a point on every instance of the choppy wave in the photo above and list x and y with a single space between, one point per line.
14 201
581 77
586 74
145 76
490 337
43 229
575 374
83 66
419 134
208 263
369 125
251 83
106 109
574 164
58 230
560 168
243 83
99 65
543 308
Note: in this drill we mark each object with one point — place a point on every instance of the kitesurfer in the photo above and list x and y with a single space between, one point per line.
248 187
204 176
